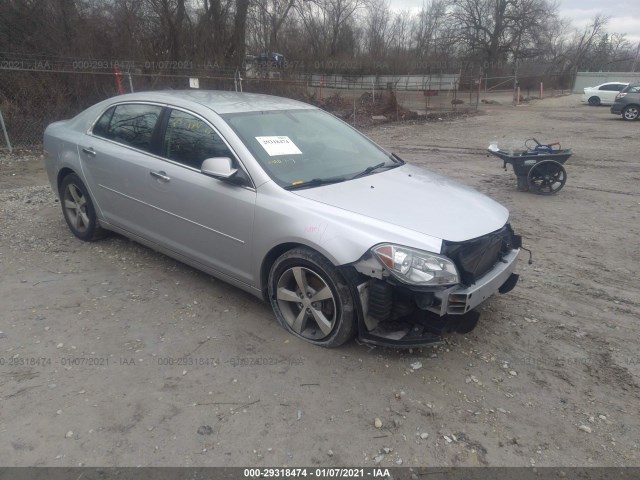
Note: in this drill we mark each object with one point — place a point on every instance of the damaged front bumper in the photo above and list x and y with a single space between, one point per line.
398 315
458 301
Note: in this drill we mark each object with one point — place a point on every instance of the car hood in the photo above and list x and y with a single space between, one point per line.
417 199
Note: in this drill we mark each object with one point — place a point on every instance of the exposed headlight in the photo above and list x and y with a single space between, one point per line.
416 266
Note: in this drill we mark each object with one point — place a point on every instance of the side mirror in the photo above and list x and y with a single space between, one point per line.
218 167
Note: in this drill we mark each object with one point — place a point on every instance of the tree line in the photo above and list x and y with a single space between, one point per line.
472 37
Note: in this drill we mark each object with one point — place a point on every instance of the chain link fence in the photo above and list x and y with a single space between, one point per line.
32 99
36 93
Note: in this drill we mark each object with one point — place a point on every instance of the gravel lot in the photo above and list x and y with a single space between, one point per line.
88 333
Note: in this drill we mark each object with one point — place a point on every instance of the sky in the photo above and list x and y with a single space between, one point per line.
625 14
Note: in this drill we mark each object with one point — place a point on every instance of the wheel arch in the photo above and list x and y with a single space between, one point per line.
346 304
273 254
61 176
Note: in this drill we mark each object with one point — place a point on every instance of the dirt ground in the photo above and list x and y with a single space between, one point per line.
112 354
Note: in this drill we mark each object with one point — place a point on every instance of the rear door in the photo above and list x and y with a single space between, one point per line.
116 157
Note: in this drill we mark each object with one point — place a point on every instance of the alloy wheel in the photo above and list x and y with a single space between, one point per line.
75 205
307 303
631 113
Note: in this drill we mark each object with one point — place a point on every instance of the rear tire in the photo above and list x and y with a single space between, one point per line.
311 299
594 101
78 209
631 112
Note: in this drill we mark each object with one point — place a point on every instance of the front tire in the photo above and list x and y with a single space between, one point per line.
631 112
311 299
78 209
594 101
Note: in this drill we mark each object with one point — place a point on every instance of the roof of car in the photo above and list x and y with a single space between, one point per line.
614 83
221 102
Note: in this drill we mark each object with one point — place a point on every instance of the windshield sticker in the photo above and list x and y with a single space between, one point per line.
278 146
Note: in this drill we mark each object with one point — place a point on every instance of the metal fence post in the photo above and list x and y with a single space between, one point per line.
6 135
116 72
354 110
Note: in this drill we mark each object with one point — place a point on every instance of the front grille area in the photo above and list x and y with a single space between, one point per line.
475 257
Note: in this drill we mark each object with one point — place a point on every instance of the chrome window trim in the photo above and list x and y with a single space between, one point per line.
90 133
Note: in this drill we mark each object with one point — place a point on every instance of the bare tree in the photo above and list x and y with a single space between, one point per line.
583 42
496 31
48 27
170 16
378 24
327 21
273 13
237 44
222 28
428 27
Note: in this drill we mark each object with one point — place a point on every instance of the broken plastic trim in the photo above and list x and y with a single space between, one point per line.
473 258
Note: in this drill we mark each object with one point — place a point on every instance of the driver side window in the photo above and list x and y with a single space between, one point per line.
189 140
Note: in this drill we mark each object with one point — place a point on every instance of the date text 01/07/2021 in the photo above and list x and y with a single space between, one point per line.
316 472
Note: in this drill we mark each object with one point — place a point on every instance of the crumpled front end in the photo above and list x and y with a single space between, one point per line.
397 313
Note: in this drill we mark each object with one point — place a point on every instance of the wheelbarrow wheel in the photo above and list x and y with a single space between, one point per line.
547 177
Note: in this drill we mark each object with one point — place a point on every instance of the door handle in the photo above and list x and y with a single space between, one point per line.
162 176
89 151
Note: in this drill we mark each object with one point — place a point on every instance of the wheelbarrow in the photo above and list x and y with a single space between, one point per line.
539 168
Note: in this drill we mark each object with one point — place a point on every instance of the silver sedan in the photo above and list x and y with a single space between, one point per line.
283 200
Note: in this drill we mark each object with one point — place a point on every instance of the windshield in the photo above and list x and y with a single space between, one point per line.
307 147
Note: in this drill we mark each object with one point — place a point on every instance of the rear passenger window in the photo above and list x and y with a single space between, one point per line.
189 140
101 128
130 125
612 87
